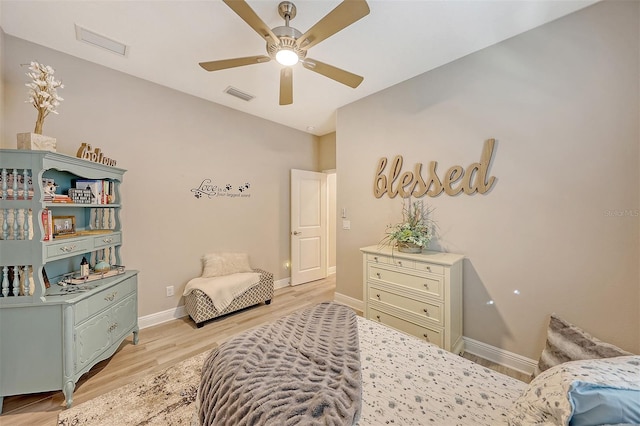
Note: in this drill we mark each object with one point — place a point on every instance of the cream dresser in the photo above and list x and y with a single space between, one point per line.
419 294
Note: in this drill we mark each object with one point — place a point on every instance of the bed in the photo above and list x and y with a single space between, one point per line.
275 375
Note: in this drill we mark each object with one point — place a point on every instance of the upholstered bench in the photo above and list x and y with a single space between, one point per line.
227 284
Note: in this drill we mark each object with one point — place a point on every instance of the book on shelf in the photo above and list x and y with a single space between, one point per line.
47 225
95 186
109 191
45 278
60 198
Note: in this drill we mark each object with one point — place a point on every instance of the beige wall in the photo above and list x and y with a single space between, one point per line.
561 224
170 142
327 151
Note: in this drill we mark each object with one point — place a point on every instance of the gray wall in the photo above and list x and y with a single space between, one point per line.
561 223
169 142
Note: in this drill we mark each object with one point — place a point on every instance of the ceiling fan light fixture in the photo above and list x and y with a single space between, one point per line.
287 57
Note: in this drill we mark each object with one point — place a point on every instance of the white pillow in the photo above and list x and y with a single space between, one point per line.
550 398
218 264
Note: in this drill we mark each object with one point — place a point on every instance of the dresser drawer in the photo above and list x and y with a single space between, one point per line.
67 248
104 299
107 240
403 263
430 267
431 335
430 285
376 258
430 310
390 260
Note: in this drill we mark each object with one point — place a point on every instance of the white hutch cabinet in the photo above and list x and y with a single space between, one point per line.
52 335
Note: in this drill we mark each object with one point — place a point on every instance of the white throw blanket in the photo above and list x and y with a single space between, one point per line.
222 290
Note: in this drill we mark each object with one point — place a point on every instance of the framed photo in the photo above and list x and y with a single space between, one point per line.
64 226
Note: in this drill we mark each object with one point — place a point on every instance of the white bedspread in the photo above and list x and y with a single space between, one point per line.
222 290
406 381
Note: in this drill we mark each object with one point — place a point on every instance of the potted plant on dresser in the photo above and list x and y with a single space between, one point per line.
414 233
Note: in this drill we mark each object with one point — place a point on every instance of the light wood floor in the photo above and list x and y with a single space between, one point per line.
166 344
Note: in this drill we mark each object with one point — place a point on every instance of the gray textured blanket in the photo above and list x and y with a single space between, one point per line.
303 369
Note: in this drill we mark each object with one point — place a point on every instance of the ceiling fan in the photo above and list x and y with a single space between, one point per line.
289 46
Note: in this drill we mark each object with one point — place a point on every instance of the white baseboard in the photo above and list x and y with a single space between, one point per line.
331 270
285 282
160 317
500 356
349 301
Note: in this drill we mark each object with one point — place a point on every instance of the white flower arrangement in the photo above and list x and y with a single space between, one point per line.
43 92
415 230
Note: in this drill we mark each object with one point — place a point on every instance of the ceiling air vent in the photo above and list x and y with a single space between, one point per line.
238 93
98 40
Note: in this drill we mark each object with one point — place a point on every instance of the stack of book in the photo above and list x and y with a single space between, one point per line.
60 198
102 191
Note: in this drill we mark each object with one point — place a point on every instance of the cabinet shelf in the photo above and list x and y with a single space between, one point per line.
86 206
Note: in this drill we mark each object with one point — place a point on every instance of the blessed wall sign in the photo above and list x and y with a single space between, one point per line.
456 179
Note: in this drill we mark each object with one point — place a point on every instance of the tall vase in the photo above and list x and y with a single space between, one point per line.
36 142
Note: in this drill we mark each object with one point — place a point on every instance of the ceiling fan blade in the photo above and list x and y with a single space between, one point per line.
232 63
243 10
345 14
286 86
337 74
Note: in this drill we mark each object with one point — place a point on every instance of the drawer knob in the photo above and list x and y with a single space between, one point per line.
426 311
378 274
378 317
400 262
426 285
426 337
107 240
429 268
378 296
375 258
110 297
67 249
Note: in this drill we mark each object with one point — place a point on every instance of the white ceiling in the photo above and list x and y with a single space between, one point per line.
398 40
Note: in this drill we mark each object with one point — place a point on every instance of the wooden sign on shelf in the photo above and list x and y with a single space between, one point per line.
86 152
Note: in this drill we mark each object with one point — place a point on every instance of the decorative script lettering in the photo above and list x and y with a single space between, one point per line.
456 180
211 190
85 151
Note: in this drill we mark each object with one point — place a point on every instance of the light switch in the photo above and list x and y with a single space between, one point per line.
346 224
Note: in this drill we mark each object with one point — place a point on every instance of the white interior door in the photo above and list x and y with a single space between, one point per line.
308 226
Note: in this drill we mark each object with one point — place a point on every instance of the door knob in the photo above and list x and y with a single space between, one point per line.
297 233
